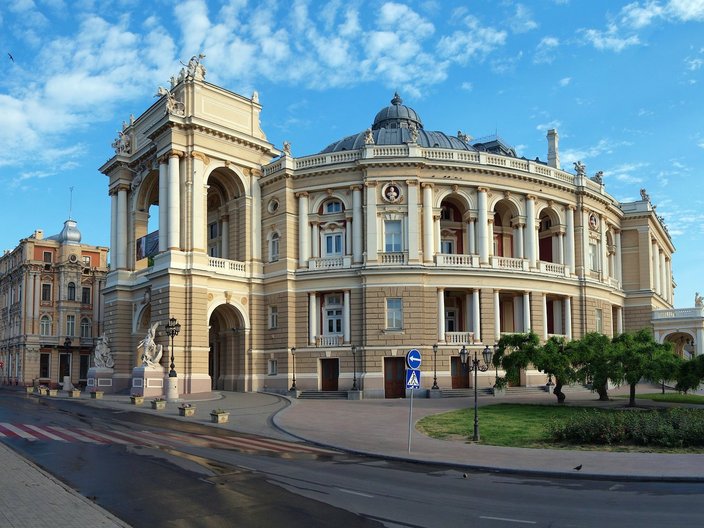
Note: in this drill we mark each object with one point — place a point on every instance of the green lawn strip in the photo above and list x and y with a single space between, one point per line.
670 397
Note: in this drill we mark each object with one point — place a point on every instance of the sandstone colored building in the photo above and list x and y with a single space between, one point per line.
51 315
329 267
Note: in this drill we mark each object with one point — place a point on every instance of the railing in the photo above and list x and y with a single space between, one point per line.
329 341
329 263
459 338
679 313
393 258
554 268
509 263
230 267
463 261
614 283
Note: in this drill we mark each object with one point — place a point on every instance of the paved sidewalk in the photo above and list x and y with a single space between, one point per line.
30 497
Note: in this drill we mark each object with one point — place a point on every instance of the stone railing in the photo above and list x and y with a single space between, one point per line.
393 258
329 263
228 267
509 263
459 338
460 261
553 268
679 313
329 341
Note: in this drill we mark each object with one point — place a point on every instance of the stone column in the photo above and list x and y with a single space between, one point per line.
346 326
413 228
113 229
225 237
497 316
372 222
163 206
560 248
545 317
121 238
348 236
174 202
468 312
617 263
199 203
303 230
699 342
471 243
357 224
428 223
437 237
256 216
526 312
476 316
315 239
604 250
519 240
490 237
569 243
656 266
312 318
441 315
663 274
670 298
530 230
482 225
568 318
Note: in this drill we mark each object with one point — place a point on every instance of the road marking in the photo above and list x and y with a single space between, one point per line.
44 432
17 431
355 493
74 434
506 519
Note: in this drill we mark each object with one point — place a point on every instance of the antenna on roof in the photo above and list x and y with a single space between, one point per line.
70 202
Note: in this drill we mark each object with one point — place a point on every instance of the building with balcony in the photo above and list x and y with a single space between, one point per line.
392 238
51 312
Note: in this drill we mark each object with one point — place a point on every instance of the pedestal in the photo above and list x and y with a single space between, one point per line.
100 379
171 388
147 381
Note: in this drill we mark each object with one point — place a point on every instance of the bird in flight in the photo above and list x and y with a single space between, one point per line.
11 57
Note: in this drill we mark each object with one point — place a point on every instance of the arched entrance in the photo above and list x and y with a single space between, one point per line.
682 344
227 357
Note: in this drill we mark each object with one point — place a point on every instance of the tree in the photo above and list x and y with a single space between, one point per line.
593 359
638 356
690 374
517 351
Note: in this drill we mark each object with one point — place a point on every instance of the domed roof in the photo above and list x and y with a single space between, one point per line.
392 126
69 234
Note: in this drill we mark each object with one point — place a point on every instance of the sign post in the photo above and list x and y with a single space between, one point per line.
413 361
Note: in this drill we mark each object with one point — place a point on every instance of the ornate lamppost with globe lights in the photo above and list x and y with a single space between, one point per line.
475 365
172 328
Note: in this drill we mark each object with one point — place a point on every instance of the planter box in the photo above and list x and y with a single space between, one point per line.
30 390
186 411
43 392
97 395
53 392
74 393
159 405
136 400
219 417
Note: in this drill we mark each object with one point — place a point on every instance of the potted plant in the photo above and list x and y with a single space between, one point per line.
186 409
500 387
43 390
219 416
74 393
53 392
159 403
97 394
30 389
136 400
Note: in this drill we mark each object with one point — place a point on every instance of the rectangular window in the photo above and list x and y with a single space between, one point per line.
86 330
273 317
334 321
333 244
45 326
46 292
272 367
212 231
70 325
85 296
44 365
599 320
394 314
593 257
274 248
447 247
86 260
392 236
47 257
83 367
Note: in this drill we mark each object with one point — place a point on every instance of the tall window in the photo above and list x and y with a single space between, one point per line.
333 315
599 320
274 247
273 317
45 326
85 328
46 292
70 325
44 365
71 291
593 257
47 257
394 314
272 367
392 236
333 244
85 295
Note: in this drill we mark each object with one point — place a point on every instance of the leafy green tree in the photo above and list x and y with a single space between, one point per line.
638 356
592 358
690 374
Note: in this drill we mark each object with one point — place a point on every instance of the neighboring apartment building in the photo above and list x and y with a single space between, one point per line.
51 313
389 239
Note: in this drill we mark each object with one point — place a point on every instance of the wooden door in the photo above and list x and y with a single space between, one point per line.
394 377
460 373
330 370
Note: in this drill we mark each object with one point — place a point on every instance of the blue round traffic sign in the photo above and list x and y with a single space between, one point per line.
413 359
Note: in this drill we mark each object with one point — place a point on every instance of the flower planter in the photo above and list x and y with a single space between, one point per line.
30 390
219 417
75 393
97 395
186 411
136 400
53 392
43 392
159 405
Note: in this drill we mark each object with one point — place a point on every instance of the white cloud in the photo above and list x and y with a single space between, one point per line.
603 146
686 10
565 81
544 51
549 125
475 42
700 144
693 64
610 40
626 172
467 86
522 20
638 16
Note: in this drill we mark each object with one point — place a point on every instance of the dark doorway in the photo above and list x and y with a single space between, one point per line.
545 249
394 377
460 374
64 366
330 371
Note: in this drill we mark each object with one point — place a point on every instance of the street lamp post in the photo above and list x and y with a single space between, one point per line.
354 367
293 356
435 367
172 328
476 365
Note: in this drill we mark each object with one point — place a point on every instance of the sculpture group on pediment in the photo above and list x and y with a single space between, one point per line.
698 301
122 144
368 137
173 106
599 177
644 195
580 168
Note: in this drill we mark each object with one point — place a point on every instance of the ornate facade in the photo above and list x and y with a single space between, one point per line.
51 315
393 238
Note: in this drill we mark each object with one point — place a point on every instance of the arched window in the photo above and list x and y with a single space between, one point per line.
45 326
71 291
274 240
85 328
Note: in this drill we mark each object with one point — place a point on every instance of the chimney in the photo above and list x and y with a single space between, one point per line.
553 155
38 234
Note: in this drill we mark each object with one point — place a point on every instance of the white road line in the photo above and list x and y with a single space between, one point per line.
44 432
506 519
18 432
73 434
355 493
108 438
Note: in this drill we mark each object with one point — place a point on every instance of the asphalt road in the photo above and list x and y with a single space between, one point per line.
155 472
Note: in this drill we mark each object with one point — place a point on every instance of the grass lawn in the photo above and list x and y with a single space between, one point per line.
672 397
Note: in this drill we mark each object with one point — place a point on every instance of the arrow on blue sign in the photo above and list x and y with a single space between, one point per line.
413 359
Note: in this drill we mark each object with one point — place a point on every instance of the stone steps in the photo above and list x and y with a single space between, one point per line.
322 395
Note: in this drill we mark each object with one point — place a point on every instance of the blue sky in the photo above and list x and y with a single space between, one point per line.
621 81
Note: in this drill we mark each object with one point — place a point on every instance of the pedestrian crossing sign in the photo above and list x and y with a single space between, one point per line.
413 378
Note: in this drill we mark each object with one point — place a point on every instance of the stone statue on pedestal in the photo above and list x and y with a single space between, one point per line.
150 352
103 356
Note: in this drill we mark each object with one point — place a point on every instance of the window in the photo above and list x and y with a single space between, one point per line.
272 367
599 320
83 367
70 325
334 206
450 321
212 231
273 317
394 314
333 315
274 247
44 365
71 291
593 257
447 247
46 292
333 244
392 236
86 260
85 328
45 326
85 295
47 257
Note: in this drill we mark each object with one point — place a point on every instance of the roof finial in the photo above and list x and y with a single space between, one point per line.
397 99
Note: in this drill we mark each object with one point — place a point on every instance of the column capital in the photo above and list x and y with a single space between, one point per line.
174 153
370 184
356 187
412 182
426 185
531 197
483 189
571 207
302 194
200 156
